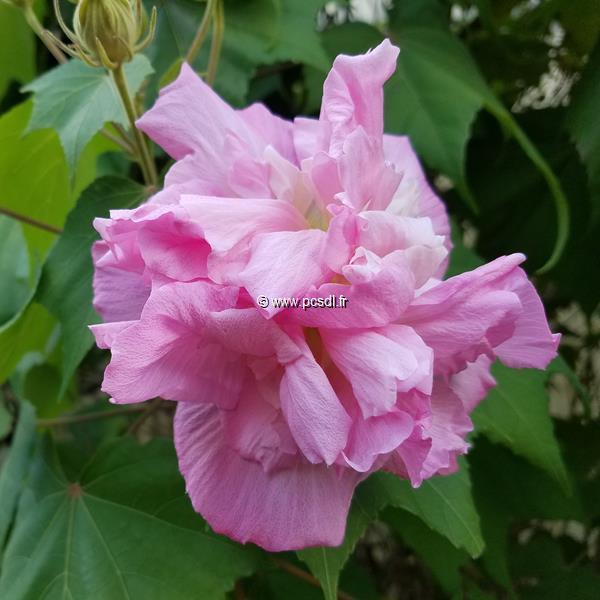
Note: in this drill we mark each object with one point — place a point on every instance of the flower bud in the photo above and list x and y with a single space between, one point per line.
107 29
107 32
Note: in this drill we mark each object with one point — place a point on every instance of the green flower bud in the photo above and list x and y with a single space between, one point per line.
106 29
107 32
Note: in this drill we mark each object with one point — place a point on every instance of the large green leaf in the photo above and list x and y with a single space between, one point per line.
515 414
17 48
119 527
65 287
584 125
326 564
14 470
442 503
77 100
437 552
257 32
34 177
507 489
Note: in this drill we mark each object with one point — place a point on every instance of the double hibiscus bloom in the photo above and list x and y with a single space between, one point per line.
282 412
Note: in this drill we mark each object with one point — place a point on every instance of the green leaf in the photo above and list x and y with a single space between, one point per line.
326 564
584 126
442 558
14 269
257 32
77 100
443 503
119 527
17 48
65 286
515 414
35 180
27 331
549 574
434 66
509 489
14 470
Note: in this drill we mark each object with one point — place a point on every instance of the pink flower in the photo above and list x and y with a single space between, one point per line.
282 412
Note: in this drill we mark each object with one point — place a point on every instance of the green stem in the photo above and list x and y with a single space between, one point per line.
29 221
217 41
39 30
105 414
145 158
201 33
560 200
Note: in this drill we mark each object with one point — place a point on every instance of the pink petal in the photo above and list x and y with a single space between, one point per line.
189 117
271 129
316 418
449 425
374 437
119 293
366 178
285 264
353 92
414 196
380 363
167 353
379 292
106 333
473 383
287 509
467 315
228 221
532 344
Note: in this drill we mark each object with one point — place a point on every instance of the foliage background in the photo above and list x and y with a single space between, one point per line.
501 100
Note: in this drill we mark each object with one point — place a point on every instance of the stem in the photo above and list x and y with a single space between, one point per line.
106 414
302 574
145 158
153 407
29 221
39 30
201 33
215 47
